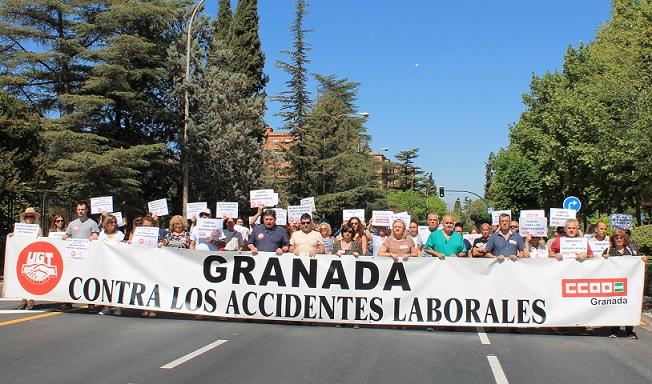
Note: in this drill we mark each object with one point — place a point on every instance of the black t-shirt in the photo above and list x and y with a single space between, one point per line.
480 243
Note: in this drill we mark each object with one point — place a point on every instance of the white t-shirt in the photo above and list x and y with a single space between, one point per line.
201 241
306 242
234 240
118 236
244 231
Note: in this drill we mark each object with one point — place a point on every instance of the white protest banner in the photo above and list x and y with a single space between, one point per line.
101 204
226 209
620 221
281 216
56 235
147 236
424 233
401 216
471 237
598 246
28 230
209 225
558 216
536 226
533 213
118 218
495 215
295 212
349 213
76 248
309 201
158 207
460 292
381 218
266 197
572 246
193 209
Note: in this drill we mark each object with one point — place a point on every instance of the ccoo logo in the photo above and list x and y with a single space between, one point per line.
39 268
594 287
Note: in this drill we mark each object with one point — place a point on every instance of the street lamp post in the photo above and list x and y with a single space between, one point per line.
186 115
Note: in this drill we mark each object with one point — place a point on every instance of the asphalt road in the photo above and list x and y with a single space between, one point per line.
77 347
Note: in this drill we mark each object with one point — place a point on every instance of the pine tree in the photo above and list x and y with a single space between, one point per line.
295 106
248 57
409 172
222 23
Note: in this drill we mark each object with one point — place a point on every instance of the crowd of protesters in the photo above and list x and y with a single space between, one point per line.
400 241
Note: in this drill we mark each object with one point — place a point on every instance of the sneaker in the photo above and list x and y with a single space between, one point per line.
23 304
91 308
104 311
613 336
152 315
145 314
65 307
117 311
356 326
632 336
430 329
30 304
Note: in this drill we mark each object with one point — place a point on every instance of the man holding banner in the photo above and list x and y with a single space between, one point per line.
306 241
505 243
268 237
445 242
570 244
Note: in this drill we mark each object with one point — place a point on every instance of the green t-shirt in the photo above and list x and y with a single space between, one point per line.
453 246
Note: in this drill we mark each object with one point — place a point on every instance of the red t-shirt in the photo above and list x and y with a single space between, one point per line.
555 246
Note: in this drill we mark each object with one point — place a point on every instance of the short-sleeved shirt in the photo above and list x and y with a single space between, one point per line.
416 240
481 243
178 240
402 247
233 240
306 242
268 239
555 247
612 251
118 236
78 229
499 246
453 246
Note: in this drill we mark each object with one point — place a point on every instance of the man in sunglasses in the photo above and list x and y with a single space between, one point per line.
306 241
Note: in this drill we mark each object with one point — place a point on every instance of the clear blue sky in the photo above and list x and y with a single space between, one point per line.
444 77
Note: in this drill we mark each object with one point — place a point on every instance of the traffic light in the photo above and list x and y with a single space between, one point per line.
442 192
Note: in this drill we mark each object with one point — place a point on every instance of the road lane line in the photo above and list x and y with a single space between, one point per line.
484 339
193 354
29 318
497 369
17 311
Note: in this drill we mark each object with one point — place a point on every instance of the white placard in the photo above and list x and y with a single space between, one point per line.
309 201
76 248
558 216
572 245
403 216
226 209
597 246
533 213
495 216
381 218
28 230
147 236
536 226
349 213
101 204
119 219
209 225
158 207
295 212
621 221
281 216
193 209
266 197
424 233
56 235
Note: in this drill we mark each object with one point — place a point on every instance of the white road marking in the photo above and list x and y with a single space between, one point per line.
17 311
193 354
484 339
497 370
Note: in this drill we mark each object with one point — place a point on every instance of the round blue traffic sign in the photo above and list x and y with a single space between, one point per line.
572 202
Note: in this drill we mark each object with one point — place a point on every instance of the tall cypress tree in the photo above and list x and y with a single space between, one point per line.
223 20
248 57
295 105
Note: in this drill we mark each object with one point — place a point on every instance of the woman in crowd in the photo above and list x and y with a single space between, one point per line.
620 246
232 240
360 234
325 231
29 216
347 245
537 247
138 222
414 235
178 237
378 238
397 245
58 226
110 231
480 244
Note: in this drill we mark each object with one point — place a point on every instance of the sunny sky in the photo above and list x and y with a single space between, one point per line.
444 77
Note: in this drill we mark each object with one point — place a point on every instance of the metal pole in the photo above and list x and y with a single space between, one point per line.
186 115
472 193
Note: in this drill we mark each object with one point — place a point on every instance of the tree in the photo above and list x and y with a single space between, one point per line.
409 172
248 57
416 203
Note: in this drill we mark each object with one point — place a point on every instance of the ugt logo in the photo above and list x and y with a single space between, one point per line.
594 287
39 268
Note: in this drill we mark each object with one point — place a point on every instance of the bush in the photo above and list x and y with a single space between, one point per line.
642 236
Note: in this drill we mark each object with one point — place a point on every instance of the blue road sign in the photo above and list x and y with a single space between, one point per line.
572 202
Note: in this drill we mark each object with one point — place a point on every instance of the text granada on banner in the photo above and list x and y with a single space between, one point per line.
365 290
